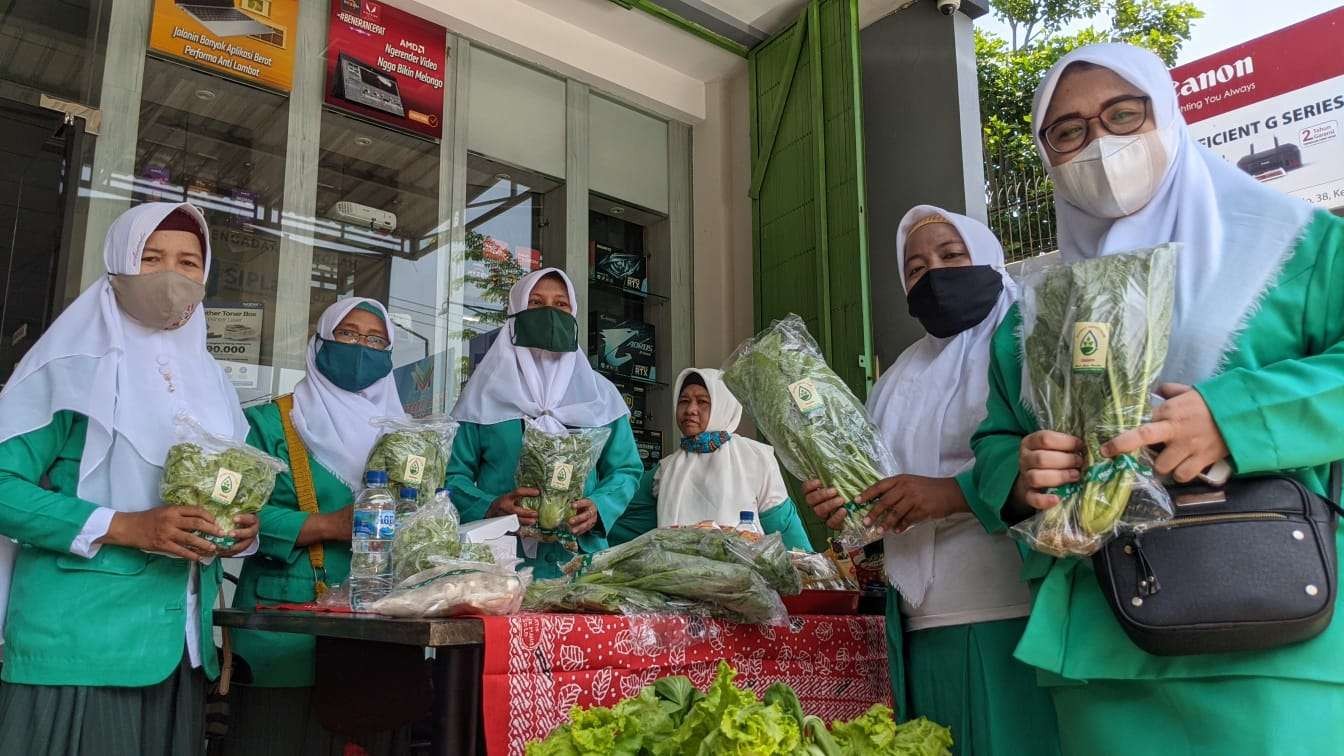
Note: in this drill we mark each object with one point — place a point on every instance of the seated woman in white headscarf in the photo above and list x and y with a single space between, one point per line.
715 475
958 607
109 635
324 431
1254 375
534 372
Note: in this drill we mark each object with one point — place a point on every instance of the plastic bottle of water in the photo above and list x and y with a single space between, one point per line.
375 523
407 502
746 523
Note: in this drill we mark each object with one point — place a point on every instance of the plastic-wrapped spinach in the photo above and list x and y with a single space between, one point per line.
414 452
431 531
558 465
219 475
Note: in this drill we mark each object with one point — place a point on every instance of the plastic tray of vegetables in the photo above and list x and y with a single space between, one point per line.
671 717
414 452
557 465
454 588
1094 339
817 426
224 477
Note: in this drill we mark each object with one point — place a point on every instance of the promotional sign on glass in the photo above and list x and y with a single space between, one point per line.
387 65
252 40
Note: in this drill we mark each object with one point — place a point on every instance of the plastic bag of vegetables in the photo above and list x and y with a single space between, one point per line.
455 588
413 452
562 595
219 475
1094 338
429 532
558 465
767 555
818 427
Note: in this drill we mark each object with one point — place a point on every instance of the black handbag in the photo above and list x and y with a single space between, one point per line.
1244 567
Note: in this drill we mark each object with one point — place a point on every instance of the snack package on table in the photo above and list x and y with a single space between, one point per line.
455 588
558 465
818 428
413 452
1094 339
224 477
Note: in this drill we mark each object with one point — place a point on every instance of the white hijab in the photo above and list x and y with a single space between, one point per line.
335 424
555 389
98 362
740 475
937 386
1236 234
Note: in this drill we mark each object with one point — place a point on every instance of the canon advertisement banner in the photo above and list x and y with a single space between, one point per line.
386 65
1274 107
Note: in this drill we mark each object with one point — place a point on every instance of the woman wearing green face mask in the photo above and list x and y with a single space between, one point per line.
323 432
534 372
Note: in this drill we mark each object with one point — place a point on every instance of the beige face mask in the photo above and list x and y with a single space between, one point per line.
164 300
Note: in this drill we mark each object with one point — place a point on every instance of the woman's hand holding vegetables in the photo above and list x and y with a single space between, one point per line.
508 505
1047 459
166 530
903 501
826 503
1185 426
585 518
248 527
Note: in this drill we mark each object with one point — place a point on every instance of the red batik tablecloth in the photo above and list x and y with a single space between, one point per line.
539 666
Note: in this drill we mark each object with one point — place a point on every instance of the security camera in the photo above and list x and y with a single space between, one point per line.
948 7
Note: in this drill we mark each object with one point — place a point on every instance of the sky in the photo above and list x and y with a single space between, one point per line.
1227 22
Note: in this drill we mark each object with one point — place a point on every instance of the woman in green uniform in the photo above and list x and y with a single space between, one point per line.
957 607
534 372
323 429
716 475
109 635
1254 375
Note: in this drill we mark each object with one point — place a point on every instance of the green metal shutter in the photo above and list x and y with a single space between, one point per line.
809 228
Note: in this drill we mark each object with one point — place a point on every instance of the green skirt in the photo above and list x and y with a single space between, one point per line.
283 722
167 719
1229 716
965 677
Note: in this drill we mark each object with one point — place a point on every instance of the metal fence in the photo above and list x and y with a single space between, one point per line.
1021 205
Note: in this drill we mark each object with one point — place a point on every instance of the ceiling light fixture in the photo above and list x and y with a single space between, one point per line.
503 177
363 141
617 210
205 95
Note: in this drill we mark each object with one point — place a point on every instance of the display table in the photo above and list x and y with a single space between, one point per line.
526 671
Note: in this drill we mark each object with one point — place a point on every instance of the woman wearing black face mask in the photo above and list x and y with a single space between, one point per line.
535 373
323 432
957 608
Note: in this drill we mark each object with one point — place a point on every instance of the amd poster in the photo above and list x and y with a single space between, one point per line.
386 65
1274 107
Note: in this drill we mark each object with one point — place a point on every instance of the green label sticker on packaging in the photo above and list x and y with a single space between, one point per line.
561 475
226 486
1091 347
415 470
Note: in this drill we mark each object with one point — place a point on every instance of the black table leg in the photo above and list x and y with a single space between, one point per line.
458 723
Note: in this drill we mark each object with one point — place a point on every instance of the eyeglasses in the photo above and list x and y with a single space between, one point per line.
372 341
1121 116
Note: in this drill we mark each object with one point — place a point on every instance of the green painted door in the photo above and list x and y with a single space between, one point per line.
808 204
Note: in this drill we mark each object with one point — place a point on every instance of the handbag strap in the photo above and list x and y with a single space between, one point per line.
302 472
1336 479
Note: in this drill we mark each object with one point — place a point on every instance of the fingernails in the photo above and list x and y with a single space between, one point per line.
867 522
1074 475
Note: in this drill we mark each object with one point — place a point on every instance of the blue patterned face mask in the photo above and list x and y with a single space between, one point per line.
706 442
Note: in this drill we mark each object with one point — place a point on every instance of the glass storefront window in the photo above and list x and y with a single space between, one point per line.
220 145
53 47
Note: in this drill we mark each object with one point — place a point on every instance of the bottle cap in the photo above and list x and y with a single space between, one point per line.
375 478
407 492
746 516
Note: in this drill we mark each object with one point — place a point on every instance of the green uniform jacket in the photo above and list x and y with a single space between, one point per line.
485 459
1279 402
113 620
279 572
642 516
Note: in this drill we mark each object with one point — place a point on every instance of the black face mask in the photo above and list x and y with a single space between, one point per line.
947 301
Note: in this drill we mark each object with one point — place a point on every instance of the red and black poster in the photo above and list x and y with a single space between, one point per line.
387 65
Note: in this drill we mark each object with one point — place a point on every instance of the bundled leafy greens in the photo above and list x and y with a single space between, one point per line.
1094 338
413 452
225 478
818 427
558 465
672 718
431 531
767 556
561 595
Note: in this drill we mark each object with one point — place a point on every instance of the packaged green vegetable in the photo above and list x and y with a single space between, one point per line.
767 555
413 452
219 475
558 465
561 595
1094 338
429 532
817 426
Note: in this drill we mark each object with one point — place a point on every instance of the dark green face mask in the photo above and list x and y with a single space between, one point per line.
546 328
353 367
